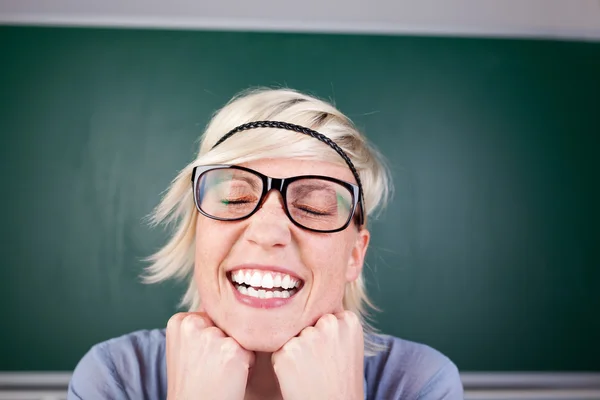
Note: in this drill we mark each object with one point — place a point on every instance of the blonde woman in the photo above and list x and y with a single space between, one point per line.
271 229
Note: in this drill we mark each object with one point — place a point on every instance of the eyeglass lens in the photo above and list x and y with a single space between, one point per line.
314 203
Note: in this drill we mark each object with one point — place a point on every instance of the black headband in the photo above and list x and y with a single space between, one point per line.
306 131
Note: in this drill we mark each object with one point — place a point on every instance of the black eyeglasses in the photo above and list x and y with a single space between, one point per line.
313 202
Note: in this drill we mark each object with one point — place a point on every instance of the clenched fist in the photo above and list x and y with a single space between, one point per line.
202 362
324 361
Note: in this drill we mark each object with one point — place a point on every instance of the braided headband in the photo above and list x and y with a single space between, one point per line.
306 131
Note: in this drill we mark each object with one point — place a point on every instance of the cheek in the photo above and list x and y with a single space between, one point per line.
328 260
210 251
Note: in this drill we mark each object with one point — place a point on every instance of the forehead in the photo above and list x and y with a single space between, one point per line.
283 168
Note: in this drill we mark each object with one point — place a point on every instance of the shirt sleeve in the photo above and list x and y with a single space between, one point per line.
95 377
445 384
406 370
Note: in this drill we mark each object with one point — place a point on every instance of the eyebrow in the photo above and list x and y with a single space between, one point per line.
237 176
247 179
308 187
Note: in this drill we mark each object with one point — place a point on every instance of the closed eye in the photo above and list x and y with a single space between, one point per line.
311 210
236 201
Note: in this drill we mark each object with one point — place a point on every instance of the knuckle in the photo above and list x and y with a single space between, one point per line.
175 320
188 324
228 343
309 332
213 331
291 347
351 318
231 352
327 321
191 324
229 346
210 335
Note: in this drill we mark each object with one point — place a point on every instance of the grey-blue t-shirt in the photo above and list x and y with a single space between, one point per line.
133 366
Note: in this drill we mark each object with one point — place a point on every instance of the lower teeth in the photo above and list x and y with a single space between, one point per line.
265 294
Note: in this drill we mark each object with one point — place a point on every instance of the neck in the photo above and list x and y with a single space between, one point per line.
262 381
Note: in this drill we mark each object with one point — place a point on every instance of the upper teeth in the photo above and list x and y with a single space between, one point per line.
264 279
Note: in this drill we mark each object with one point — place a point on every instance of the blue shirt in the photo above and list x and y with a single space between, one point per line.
133 366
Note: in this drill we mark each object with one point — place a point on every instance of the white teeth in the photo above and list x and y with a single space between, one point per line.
239 277
267 281
285 282
265 294
256 280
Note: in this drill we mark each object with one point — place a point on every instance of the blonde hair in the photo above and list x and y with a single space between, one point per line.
176 258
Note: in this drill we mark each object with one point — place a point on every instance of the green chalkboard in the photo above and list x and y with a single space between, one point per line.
488 252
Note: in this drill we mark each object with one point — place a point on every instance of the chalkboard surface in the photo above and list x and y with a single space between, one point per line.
489 251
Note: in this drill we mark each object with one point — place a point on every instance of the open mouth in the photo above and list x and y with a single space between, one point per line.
264 284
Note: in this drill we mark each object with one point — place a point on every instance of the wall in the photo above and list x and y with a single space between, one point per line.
578 19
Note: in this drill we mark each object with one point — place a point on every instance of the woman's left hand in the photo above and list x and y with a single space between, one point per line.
324 361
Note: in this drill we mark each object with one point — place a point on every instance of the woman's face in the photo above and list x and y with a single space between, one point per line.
268 243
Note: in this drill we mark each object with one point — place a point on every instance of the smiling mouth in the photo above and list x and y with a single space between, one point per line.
264 284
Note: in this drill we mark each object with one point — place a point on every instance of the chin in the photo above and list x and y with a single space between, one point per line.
261 340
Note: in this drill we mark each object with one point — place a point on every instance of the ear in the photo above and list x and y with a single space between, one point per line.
357 257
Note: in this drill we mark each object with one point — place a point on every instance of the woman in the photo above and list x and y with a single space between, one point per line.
272 233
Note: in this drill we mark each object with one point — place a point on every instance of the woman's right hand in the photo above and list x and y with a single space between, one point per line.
203 362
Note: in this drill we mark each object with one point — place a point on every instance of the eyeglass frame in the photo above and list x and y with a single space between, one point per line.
279 184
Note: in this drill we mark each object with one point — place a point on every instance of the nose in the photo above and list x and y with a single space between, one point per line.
269 226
